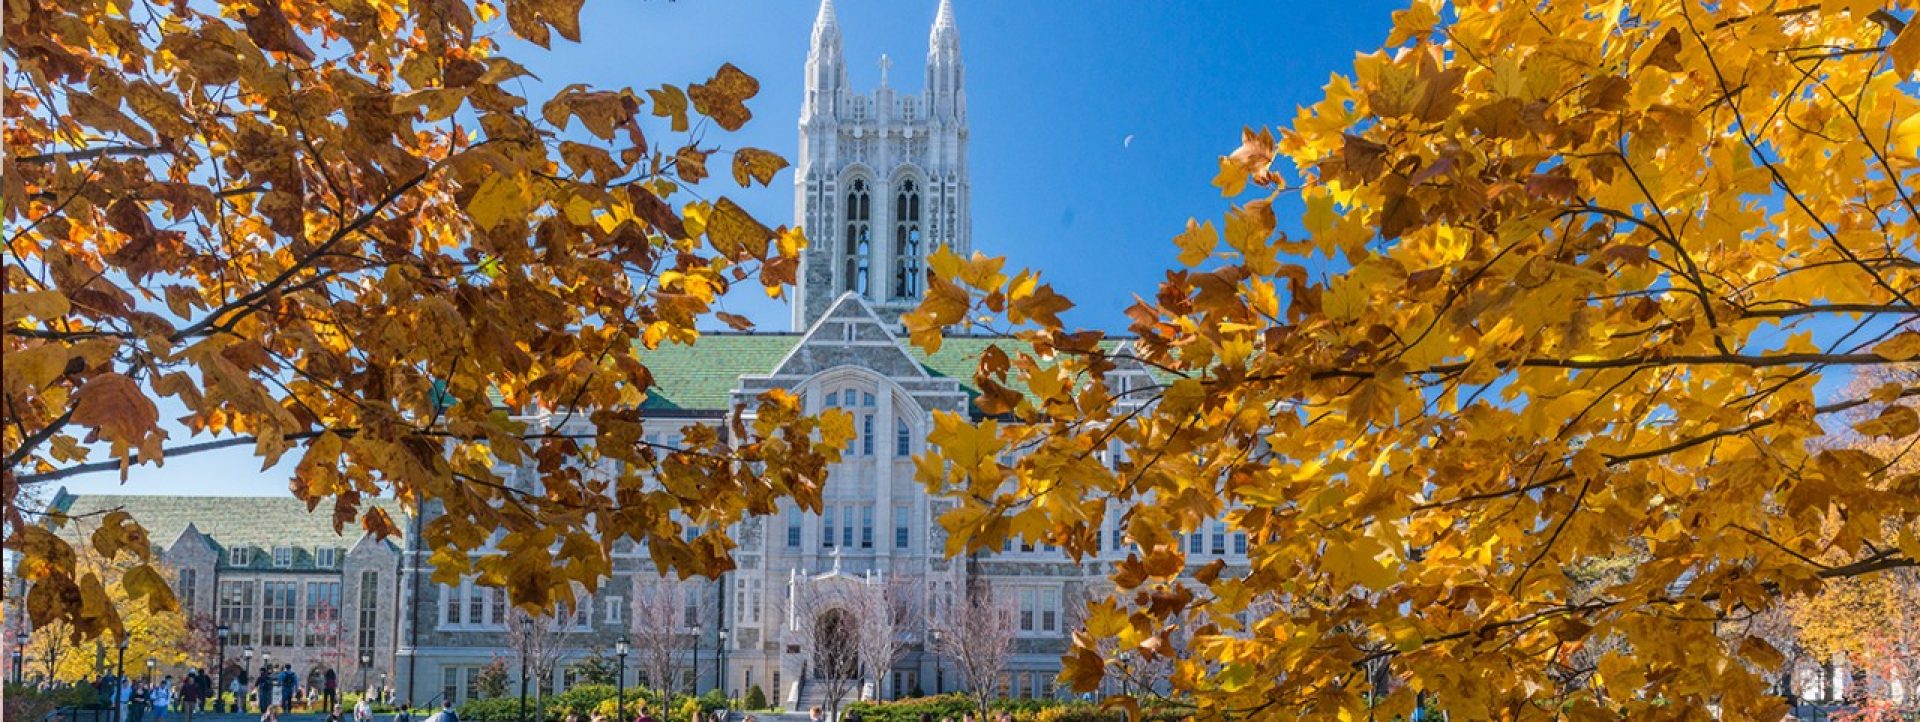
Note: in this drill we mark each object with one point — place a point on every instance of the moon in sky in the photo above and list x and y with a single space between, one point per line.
1127 142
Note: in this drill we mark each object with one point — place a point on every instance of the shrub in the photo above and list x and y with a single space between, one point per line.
756 697
497 709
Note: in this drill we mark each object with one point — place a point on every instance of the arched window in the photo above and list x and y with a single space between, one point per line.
906 241
859 240
861 405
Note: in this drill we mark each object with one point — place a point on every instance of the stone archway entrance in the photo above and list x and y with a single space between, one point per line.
836 647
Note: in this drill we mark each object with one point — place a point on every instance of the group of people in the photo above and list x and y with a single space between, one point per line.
137 699
291 693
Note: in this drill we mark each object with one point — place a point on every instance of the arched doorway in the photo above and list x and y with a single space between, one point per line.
836 645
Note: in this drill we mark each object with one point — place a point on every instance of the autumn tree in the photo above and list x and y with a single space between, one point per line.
1872 624
976 635
1571 275
340 230
62 651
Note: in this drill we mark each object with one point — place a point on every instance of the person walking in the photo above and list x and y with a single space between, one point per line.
446 711
362 712
272 714
263 690
334 715
287 682
189 695
162 696
405 714
330 689
238 688
138 701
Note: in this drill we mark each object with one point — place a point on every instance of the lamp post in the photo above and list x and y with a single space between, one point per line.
240 698
19 659
720 663
523 685
698 633
265 683
366 660
620 683
119 680
151 663
220 669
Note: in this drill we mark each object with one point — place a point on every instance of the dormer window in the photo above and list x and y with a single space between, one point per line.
239 556
283 557
326 557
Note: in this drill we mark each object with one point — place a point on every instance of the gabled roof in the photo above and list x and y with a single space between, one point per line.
256 522
700 377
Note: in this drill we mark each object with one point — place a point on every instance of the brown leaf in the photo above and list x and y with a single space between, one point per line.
267 25
649 207
723 97
114 405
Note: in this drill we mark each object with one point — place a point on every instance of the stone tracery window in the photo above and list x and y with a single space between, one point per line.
907 243
858 250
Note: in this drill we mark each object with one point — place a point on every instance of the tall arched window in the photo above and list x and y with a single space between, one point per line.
906 241
859 240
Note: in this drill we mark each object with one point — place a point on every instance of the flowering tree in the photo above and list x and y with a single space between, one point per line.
977 636
888 615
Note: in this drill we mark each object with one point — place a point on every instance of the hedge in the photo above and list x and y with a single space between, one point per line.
953 706
584 700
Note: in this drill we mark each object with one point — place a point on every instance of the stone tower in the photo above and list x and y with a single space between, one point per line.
882 178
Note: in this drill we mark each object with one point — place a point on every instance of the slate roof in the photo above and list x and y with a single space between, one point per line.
256 522
701 377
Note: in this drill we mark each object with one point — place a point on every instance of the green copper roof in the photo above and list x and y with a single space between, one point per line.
256 522
702 377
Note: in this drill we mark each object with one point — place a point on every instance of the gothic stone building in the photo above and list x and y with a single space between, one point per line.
881 181
289 589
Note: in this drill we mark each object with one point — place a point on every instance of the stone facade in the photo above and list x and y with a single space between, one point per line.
289 589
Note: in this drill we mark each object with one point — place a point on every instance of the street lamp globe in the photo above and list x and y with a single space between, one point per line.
123 642
220 633
620 647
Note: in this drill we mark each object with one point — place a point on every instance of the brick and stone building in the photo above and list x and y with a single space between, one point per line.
289 589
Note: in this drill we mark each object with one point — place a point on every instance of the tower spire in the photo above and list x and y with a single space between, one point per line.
945 35
826 23
826 68
945 96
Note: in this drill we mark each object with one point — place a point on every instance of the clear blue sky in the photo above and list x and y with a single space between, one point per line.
1053 88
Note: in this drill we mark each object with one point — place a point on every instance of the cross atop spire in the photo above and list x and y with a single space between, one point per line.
886 64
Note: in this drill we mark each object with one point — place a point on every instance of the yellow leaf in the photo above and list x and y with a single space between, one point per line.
1904 346
34 368
1412 23
1345 299
44 305
1894 422
972 448
1906 136
1231 180
670 102
143 582
1197 242
1905 50
753 164
499 199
